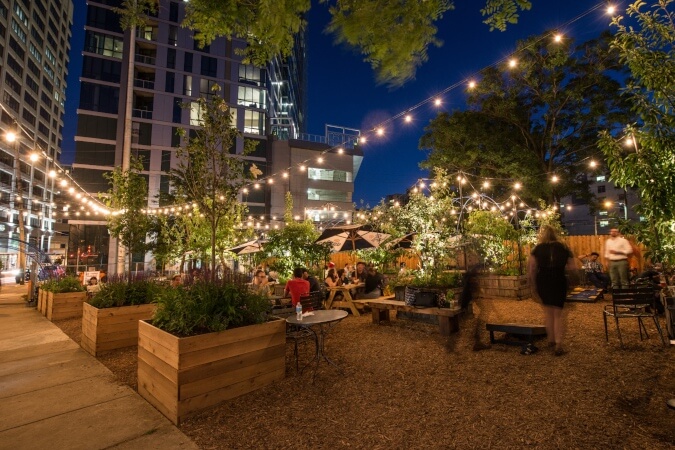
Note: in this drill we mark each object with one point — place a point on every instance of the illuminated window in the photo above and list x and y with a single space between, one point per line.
250 75
329 175
195 114
327 195
604 223
600 178
254 122
251 97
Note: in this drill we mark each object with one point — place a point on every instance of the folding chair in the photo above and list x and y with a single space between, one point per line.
634 303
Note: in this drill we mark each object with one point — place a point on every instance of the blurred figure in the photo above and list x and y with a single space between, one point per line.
176 281
260 285
374 284
402 270
546 271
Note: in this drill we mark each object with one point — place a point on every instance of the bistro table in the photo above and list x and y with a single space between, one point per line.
347 300
324 321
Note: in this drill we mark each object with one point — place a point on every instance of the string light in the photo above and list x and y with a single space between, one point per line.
513 63
408 118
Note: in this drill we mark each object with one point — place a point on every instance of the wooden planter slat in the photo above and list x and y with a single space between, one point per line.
112 328
504 286
210 369
218 367
65 306
42 301
192 405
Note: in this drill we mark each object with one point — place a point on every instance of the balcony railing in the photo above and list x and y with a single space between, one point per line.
142 113
145 84
144 59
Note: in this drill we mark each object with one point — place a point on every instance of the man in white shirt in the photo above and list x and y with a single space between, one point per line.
617 250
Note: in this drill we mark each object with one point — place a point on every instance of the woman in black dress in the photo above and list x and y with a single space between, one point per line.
546 271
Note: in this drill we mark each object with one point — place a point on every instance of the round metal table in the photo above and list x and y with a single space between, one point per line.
323 321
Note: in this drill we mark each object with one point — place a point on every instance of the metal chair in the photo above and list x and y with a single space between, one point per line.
633 303
310 302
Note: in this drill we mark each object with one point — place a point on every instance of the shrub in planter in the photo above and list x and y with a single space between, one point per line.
110 320
64 299
208 342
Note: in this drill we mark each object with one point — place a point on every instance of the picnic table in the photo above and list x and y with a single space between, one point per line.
448 320
347 299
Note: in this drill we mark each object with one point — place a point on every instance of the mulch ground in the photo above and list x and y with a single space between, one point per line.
403 385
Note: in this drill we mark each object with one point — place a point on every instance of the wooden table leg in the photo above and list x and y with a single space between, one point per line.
329 302
350 301
379 315
448 325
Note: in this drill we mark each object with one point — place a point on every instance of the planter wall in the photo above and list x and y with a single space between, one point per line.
42 301
64 306
180 376
111 328
503 286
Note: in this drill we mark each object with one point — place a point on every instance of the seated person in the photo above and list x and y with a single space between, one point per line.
593 269
374 284
176 280
297 287
93 287
260 285
314 284
359 275
343 277
332 279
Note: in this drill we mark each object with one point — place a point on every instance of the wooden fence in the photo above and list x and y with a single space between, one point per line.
580 245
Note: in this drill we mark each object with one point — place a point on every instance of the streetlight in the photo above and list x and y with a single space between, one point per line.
609 203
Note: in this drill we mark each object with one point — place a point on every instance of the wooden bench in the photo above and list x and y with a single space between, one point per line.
529 331
448 320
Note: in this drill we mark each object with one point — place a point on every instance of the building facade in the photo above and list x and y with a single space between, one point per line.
170 72
34 47
580 217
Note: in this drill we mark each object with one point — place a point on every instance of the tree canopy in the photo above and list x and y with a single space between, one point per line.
535 119
392 36
643 155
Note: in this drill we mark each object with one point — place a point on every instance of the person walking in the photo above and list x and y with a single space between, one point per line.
546 268
617 251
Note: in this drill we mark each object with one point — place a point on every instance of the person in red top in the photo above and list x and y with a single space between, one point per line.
297 286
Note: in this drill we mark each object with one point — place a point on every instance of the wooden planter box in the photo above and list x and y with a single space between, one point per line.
503 286
181 376
111 328
64 306
42 301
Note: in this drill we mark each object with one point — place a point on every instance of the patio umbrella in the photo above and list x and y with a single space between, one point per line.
352 237
247 248
404 242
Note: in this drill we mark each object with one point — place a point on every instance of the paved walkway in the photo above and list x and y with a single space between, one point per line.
54 395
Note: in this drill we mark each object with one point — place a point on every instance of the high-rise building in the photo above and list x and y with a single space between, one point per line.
34 48
170 70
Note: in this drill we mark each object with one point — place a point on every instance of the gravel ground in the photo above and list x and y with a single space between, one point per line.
405 386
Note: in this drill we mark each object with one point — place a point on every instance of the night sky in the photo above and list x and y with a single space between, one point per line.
342 88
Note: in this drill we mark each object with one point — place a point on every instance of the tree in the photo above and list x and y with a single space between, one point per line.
643 156
127 198
208 178
539 118
502 12
426 215
293 245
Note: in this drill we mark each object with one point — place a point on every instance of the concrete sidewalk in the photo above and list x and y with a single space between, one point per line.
54 395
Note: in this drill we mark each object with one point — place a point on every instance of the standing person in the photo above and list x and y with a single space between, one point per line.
546 272
617 250
297 286
594 272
